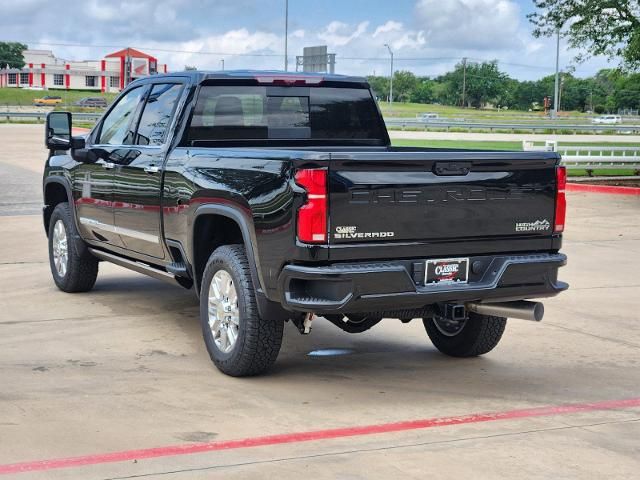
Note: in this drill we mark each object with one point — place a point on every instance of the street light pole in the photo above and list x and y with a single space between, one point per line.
391 79
556 98
464 82
560 94
222 62
286 35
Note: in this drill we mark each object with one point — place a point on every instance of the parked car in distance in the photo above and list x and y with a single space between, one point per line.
92 102
279 197
607 120
47 101
428 117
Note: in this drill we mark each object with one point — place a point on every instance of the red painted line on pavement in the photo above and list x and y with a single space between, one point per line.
175 450
575 187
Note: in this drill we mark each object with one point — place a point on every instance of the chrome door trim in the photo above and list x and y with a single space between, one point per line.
127 232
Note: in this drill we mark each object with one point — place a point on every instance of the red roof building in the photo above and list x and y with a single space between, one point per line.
111 74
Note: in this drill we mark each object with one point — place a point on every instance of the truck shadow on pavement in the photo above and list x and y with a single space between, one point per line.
390 357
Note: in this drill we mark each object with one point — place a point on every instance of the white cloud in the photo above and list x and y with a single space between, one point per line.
472 24
410 40
337 34
214 48
390 26
99 11
297 33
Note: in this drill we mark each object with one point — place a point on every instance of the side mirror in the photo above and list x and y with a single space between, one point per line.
58 131
87 155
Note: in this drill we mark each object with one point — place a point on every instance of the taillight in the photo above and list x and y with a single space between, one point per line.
312 216
561 199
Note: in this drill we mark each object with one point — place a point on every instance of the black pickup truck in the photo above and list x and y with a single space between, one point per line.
278 197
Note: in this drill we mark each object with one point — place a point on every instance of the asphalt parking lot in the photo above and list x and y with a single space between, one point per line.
124 369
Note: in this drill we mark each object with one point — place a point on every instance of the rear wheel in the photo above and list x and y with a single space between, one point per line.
74 269
240 342
477 335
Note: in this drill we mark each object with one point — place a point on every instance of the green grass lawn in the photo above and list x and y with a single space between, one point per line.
472 145
410 110
22 97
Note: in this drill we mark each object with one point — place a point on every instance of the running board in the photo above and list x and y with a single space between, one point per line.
133 265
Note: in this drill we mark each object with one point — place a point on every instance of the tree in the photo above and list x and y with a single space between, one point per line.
606 92
11 54
380 86
423 91
404 84
528 93
507 95
597 27
190 67
627 92
482 84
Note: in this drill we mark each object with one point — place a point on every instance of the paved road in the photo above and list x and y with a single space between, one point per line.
124 367
21 162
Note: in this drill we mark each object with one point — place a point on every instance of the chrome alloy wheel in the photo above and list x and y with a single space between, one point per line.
449 328
224 314
60 247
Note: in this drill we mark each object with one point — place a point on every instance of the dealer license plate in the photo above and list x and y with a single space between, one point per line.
447 271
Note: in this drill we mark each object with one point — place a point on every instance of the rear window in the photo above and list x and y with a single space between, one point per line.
311 114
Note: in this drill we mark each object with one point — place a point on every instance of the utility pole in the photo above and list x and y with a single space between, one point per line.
391 79
464 81
222 62
286 35
556 97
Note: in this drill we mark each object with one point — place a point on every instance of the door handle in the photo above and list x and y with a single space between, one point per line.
108 165
151 169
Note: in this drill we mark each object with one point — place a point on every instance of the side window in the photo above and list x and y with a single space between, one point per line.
118 127
157 114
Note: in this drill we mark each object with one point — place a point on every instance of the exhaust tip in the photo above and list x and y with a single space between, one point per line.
538 311
522 309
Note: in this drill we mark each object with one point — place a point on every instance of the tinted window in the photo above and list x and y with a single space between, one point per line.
117 127
285 113
157 114
344 113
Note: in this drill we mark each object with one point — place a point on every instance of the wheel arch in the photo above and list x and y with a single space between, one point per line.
232 227
56 191
241 231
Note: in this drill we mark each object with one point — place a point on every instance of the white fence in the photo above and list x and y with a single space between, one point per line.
592 157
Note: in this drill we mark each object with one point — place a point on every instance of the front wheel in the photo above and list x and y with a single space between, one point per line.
477 335
74 269
240 342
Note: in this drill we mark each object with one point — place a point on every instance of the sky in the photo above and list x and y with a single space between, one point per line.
428 37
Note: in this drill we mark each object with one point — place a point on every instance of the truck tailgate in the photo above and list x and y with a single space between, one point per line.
437 196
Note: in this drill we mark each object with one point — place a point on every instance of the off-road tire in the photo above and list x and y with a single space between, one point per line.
259 339
82 267
479 335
